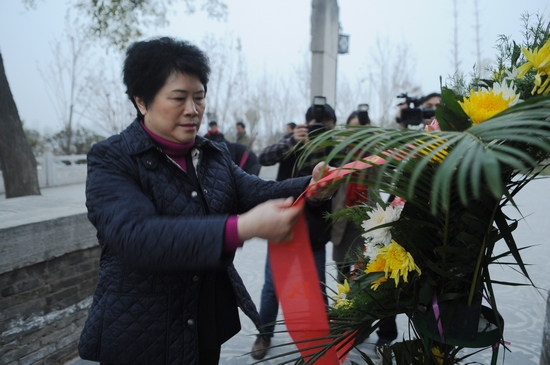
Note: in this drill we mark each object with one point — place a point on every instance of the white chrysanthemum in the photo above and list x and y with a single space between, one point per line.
511 75
394 212
508 92
377 217
371 250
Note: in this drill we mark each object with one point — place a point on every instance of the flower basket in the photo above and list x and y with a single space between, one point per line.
429 252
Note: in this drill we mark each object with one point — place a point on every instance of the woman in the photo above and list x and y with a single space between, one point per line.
170 209
346 236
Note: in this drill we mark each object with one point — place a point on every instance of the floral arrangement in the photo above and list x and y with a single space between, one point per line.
428 253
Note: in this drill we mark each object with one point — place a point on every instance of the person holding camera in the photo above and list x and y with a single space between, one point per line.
319 117
420 115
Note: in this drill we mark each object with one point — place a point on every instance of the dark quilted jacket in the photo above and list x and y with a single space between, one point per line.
158 243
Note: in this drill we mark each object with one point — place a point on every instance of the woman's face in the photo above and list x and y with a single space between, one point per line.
175 113
354 121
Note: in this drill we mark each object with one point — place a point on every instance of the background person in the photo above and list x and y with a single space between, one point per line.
244 157
318 225
346 237
427 107
214 134
290 128
387 330
171 209
242 137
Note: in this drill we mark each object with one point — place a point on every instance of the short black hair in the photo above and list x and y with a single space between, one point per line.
328 114
353 115
241 124
292 125
429 96
213 122
149 63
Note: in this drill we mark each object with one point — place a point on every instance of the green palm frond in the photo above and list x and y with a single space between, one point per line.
474 161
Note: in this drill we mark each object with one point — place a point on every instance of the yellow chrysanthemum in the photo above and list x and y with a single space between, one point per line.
377 265
343 304
399 262
439 356
486 103
539 59
343 290
395 262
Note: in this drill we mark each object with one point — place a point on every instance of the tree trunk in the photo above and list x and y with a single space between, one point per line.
16 158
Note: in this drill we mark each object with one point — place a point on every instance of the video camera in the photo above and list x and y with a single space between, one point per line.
416 114
318 109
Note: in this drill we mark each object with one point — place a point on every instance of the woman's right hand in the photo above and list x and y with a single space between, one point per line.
272 220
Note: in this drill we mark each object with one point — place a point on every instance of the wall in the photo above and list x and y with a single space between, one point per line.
57 170
48 271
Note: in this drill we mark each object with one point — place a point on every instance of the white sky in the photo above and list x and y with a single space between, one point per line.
275 34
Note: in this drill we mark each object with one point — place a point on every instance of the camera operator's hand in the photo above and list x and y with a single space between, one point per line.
300 132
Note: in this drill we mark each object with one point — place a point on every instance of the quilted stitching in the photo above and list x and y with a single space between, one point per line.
146 325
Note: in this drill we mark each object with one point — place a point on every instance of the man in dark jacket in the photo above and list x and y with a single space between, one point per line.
244 157
171 209
214 133
318 227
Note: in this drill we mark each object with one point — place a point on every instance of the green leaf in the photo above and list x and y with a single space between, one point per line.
450 115
493 176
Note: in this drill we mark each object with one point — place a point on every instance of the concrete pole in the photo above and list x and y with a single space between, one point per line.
545 350
324 49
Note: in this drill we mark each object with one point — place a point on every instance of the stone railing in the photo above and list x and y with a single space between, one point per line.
57 170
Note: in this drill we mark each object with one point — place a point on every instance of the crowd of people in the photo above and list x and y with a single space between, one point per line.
172 207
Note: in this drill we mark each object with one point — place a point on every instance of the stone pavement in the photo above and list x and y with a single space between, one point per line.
522 307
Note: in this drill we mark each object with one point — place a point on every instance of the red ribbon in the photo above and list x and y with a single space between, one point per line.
298 289
297 283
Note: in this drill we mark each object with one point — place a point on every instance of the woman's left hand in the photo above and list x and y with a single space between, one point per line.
321 190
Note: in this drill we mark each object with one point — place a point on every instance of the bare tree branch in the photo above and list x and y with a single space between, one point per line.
65 78
393 66
112 110
227 89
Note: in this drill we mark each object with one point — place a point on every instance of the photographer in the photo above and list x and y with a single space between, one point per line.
319 117
420 114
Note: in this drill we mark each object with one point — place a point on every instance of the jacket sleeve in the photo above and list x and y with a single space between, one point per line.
129 226
252 190
273 154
